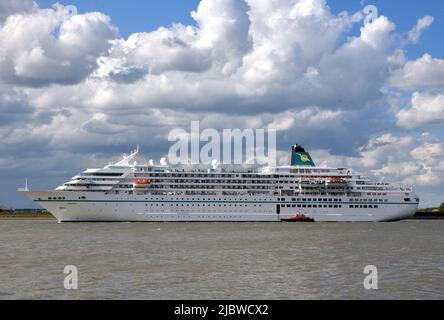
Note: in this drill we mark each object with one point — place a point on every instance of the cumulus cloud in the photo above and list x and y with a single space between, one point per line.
422 24
241 56
14 106
284 61
421 73
10 7
47 46
219 42
427 109
405 159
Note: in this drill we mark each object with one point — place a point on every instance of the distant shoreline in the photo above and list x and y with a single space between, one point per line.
421 215
30 216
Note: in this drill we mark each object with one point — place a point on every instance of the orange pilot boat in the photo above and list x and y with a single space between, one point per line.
299 218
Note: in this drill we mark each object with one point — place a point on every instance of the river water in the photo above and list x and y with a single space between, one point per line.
222 260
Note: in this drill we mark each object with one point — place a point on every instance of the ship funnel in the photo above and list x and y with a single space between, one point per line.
301 158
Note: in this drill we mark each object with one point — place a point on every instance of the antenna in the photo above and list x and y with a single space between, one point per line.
26 186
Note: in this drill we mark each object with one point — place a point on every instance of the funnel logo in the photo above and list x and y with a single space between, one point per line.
300 157
305 158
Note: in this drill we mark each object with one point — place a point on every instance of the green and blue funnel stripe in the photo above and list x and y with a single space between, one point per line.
301 158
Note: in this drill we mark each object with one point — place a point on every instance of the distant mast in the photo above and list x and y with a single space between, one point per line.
26 186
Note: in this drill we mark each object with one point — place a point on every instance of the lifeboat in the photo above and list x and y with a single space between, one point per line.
336 182
299 218
311 183
141 183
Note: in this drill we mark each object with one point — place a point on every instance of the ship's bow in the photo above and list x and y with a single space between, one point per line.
39 197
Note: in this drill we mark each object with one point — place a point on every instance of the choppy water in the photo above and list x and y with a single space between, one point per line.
221 260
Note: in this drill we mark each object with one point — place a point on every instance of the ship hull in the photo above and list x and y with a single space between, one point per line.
70 206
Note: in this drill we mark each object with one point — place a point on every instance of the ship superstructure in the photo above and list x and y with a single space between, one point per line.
130 190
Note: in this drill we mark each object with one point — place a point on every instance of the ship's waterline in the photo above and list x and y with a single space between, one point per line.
130 190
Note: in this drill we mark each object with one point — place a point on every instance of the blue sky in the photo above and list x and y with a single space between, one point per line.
132 16
76 92
136 15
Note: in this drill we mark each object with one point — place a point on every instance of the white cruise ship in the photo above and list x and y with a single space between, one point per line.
130 190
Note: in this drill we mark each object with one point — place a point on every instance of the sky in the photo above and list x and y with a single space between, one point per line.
77 91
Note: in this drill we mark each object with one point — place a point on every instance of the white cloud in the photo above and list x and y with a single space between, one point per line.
427 109
14 106
404 159
422 24
378 34
46 46
223 28
421 73
271 57
239 57
219 42
10 7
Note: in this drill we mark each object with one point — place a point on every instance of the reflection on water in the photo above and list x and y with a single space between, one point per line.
222 260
